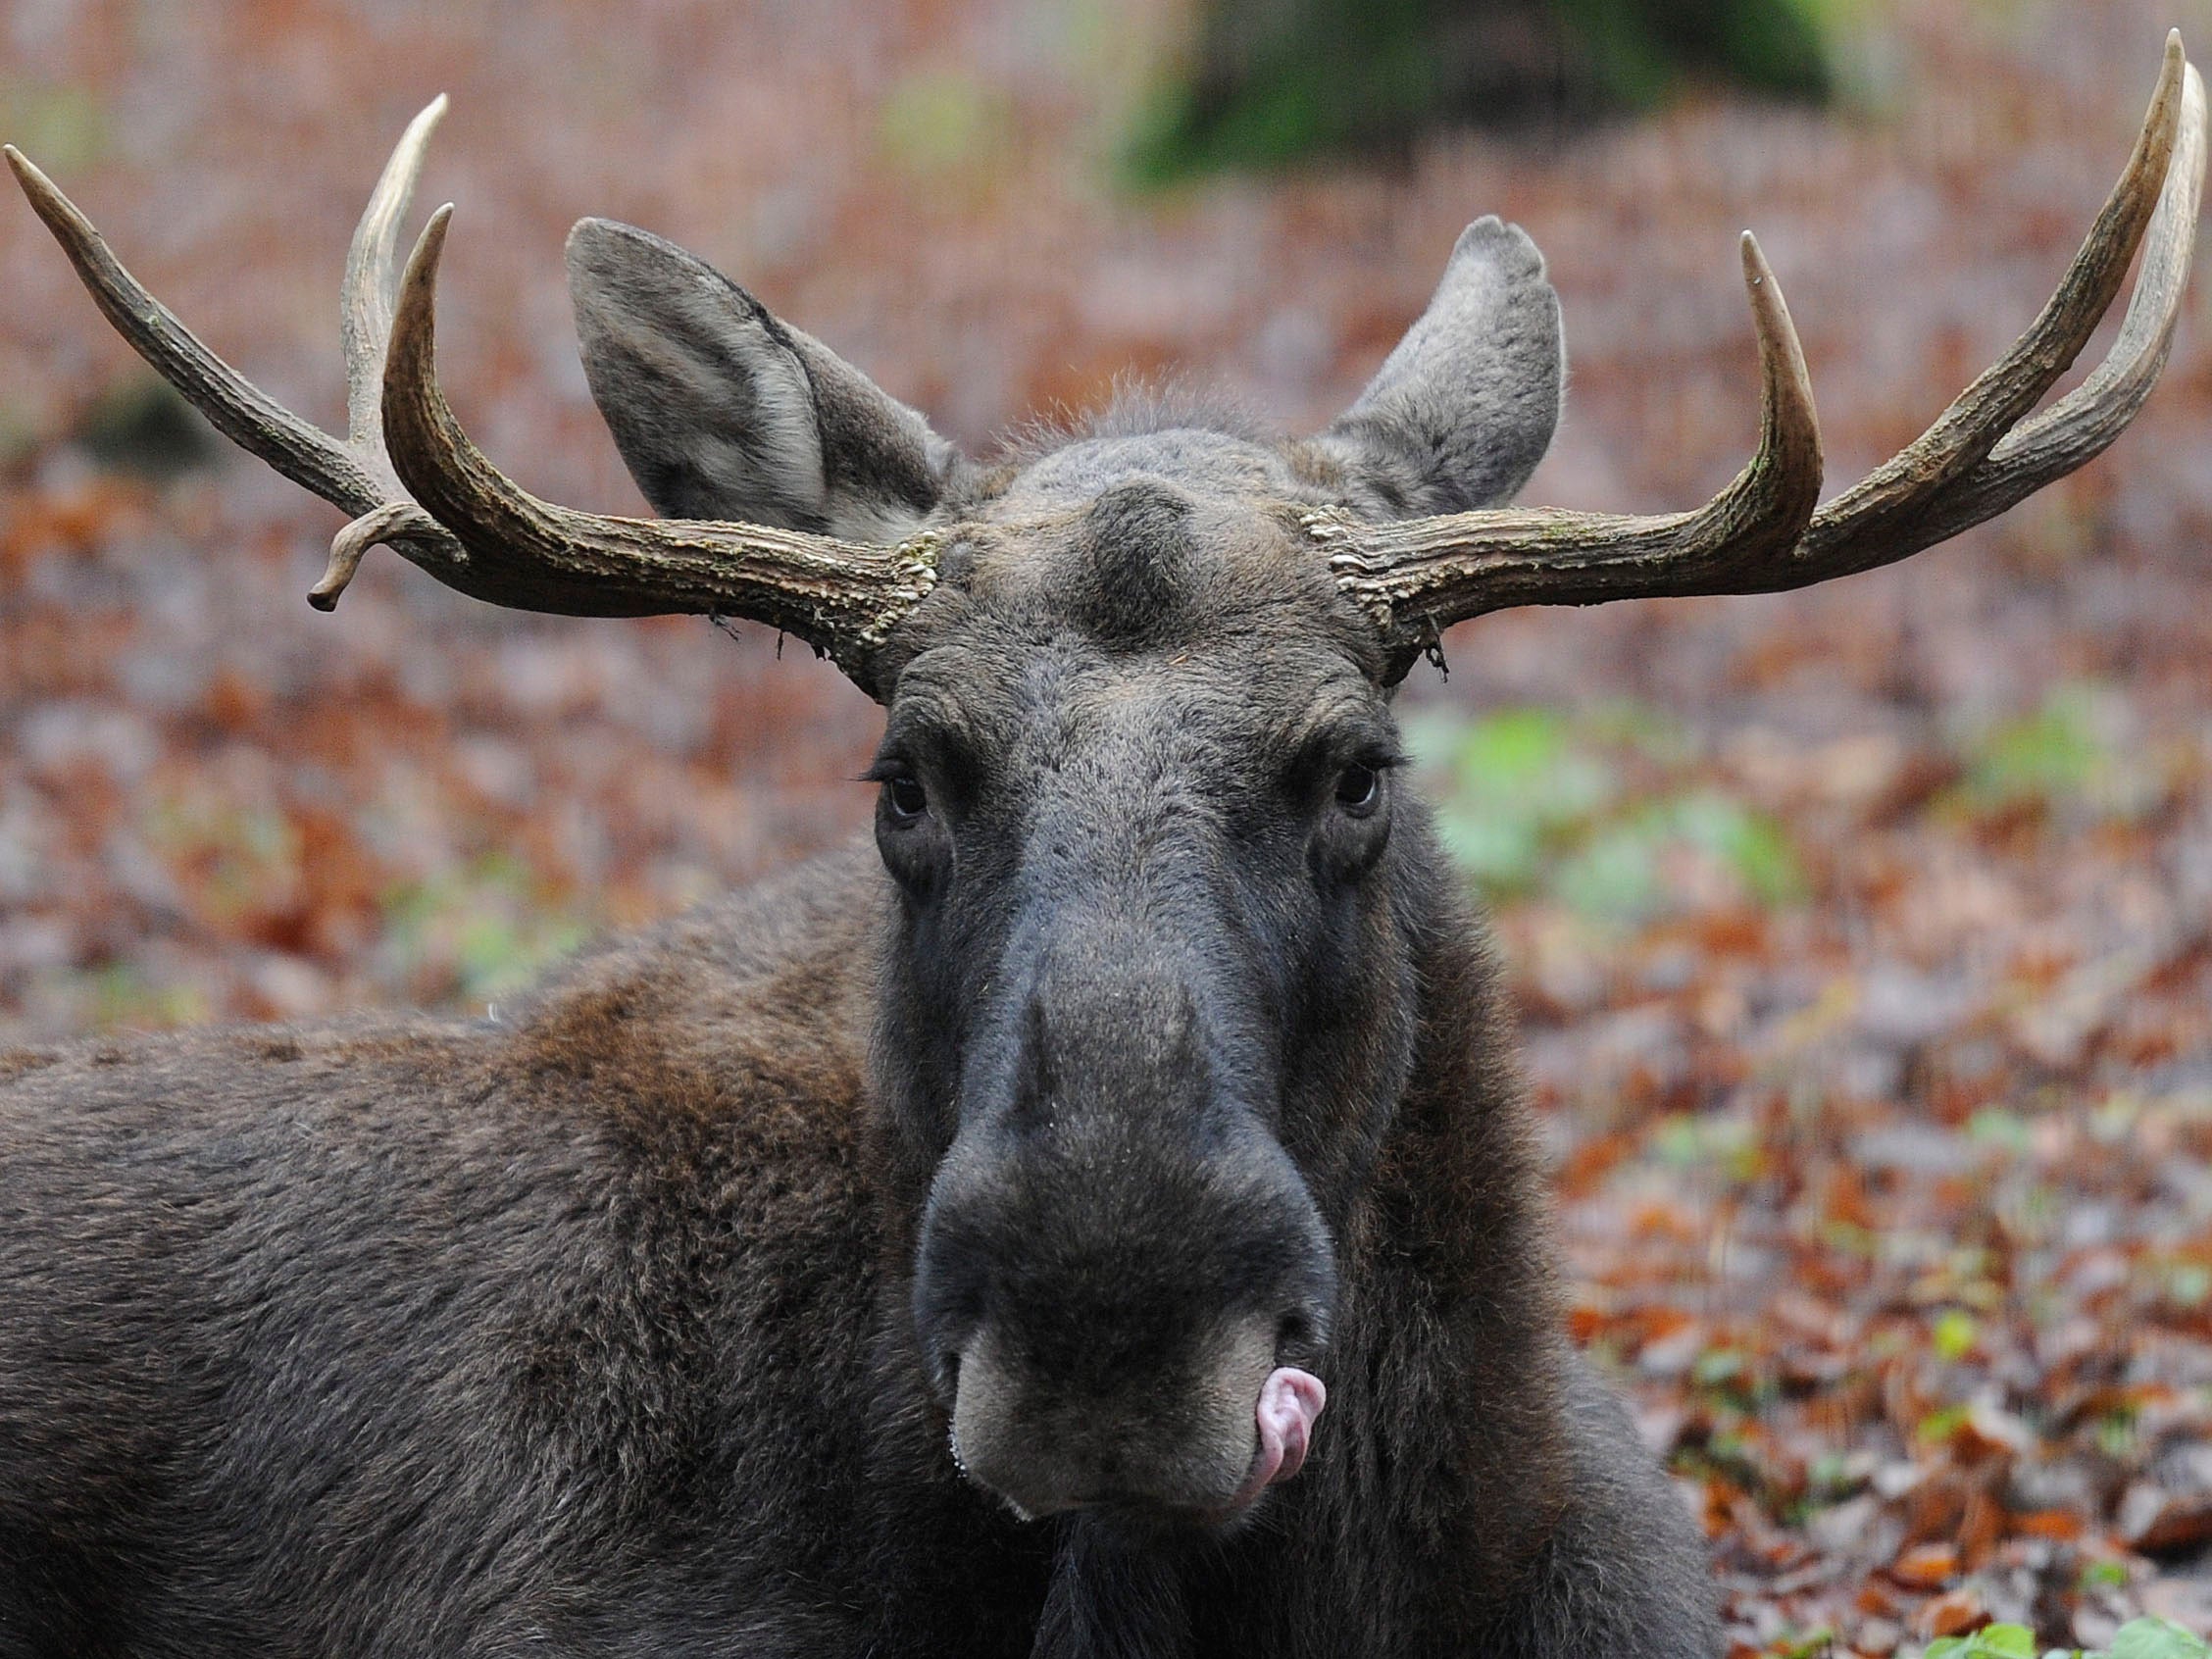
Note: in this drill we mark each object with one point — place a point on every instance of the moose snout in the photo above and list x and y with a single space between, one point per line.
1150 1342
1122 1285
1202 1447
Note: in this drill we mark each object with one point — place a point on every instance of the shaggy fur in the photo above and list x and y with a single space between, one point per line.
580 1331
630 1322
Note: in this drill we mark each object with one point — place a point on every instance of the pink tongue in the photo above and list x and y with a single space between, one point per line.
1290 1401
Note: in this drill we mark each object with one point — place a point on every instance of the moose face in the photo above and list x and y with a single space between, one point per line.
1145 989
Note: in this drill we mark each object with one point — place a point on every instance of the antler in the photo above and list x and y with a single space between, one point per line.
355 473
479 532
1419 576
487 539
838 596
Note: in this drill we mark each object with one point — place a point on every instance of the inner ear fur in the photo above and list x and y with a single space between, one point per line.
1466 404
721 410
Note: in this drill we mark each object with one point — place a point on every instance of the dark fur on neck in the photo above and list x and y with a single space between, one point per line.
1112 1597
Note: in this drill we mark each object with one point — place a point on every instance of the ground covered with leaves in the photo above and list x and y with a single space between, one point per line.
1862 937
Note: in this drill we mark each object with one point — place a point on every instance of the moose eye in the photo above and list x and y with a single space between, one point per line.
1359 789
908 800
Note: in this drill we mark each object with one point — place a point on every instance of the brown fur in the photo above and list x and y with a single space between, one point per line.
616 1341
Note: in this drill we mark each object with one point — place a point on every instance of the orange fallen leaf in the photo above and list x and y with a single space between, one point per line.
1953 1614
1927 1566
2061 1525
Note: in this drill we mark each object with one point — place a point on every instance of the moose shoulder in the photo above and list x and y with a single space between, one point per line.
1102 1218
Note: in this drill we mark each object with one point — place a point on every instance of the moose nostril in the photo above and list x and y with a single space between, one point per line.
1297 1331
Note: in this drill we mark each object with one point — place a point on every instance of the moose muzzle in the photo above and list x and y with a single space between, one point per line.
1124 1287
1238 1425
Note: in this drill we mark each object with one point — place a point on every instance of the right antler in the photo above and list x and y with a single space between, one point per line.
842 597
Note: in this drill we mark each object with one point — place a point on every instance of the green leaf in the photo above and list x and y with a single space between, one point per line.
2189 1284
1954 1334
1716 1365
1994 1125
1749 843
2157 1638
1615 875
1942 1422
1993 1641
1816 1644
1594 810
941 124
2053 753
64 126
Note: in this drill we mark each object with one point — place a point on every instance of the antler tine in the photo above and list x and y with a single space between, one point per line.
352 475
372 280
240 410
1952 477
2082 425
838 596
1418 575
1981 455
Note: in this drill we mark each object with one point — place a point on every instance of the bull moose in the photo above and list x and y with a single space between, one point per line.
954 1247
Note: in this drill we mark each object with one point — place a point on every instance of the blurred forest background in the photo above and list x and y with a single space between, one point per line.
1862 937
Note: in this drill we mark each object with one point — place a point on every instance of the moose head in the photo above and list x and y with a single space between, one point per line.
1144 1008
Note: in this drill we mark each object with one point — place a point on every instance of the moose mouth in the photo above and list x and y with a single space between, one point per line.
1289 1402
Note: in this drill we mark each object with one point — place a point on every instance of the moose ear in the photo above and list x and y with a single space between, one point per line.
1464 408
723 412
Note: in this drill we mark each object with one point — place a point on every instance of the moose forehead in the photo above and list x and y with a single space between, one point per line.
1141 570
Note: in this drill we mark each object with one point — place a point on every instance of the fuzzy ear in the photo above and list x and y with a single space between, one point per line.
723 412
1464 408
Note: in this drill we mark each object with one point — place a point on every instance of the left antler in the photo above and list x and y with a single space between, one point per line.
1417 576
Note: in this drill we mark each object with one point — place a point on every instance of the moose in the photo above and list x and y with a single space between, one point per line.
1100 1219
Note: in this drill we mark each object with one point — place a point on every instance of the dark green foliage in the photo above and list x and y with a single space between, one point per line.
1276 80
141 426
